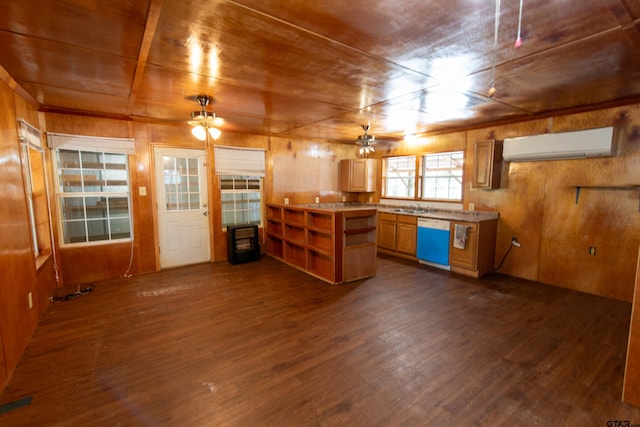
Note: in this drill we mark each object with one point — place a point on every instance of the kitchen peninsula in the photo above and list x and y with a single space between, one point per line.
338 242
335 242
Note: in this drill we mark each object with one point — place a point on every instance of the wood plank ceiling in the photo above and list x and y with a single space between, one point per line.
320 69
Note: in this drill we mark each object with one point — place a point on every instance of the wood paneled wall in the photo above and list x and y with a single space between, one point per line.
537 203
303 170
19 275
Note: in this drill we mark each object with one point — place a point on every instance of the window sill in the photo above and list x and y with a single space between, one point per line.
42 259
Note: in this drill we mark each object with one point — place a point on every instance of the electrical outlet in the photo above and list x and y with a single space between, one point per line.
317 199
370 199
286 200
472 206
514 242
344 198
592 250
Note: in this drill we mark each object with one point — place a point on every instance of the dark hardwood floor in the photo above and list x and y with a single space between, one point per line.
262 344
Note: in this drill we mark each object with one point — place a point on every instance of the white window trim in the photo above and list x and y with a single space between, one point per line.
240 191
30 138
422 177
97 145
385 177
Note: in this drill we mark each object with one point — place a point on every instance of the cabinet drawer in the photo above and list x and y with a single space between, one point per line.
385 216
408 219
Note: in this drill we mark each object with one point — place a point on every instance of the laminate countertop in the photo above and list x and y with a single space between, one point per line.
446 214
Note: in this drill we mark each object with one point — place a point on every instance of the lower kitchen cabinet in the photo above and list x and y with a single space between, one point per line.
387 231
476 256
406 234
397 234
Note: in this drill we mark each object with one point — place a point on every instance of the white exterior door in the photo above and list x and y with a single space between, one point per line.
183 208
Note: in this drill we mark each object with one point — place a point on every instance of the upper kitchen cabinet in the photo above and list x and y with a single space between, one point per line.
487 164
358 175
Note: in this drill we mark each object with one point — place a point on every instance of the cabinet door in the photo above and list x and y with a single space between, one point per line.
487 166
467 257
406 238
358 175
387 234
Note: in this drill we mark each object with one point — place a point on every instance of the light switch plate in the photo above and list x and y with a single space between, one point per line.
142 191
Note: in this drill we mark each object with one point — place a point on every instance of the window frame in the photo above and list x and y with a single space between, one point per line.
422 177
30 144
385 177
418 177
60 195
248 191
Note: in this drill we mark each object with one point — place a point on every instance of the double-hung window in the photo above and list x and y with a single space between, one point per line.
92 188
399 177
240 195
240 171
442 176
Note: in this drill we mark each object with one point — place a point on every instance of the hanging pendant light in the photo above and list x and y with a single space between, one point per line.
204 121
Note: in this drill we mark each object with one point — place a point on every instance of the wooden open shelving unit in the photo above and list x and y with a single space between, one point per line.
336 246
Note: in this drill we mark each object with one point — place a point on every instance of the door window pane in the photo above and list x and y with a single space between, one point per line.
181 183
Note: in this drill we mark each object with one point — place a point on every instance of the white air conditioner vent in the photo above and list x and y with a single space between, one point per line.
556 146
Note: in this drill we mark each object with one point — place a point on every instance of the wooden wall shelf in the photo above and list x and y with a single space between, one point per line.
606 187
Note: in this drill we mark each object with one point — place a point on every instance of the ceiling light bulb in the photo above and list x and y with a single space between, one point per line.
214 132
199 132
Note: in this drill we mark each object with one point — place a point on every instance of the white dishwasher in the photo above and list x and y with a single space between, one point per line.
433 242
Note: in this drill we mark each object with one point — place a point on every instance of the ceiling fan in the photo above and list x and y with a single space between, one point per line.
204 121
366 141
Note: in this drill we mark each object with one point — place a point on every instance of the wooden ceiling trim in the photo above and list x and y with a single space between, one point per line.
6 77
145 46
629 26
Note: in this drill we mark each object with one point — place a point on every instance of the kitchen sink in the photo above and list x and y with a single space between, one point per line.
408 211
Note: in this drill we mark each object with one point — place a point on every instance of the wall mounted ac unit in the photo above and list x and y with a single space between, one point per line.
556 146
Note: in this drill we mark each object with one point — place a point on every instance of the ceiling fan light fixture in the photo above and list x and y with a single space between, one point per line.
204 121
215 132
199 132
366 141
